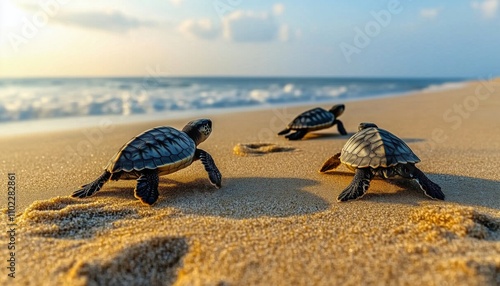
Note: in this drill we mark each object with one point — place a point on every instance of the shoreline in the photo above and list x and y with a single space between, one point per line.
275 220
57 124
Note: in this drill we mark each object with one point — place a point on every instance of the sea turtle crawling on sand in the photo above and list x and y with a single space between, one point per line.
315 119
156 152
376 152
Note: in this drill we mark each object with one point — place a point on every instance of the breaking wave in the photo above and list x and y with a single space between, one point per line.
31 99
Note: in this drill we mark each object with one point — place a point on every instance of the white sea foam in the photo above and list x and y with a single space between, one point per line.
444 86
33 99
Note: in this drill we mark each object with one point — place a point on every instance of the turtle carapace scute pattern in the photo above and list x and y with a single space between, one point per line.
314 119
375 148
153 153
163 147
373 151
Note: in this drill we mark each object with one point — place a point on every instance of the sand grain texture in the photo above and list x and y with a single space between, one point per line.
275 220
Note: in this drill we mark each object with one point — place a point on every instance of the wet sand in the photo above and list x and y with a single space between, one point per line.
275 221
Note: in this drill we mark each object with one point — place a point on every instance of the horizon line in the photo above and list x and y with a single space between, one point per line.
247 76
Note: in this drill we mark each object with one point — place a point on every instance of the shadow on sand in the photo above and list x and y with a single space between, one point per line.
247 198
238 198
458 189
153 261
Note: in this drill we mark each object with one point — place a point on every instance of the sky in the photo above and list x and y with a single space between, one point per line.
356 38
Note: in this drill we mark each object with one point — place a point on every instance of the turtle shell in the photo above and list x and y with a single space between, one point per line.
313 119
164 148
375 147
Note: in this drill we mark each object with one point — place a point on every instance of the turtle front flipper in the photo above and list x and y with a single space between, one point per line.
91 188
358 187
147 186
284 131
430 188
297 135
214 175
340 127
331 163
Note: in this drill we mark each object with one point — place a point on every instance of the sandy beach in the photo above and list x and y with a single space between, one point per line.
275 221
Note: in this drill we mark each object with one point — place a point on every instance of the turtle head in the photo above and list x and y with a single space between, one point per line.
337 110
365 125
198 130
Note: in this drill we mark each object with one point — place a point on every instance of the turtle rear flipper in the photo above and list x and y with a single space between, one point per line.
358 186
430 188
331 163
214 175
284 131
297 135
91 188
147 187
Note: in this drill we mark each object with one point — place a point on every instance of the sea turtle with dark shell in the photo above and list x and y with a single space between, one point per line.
315 119
373 151
156 152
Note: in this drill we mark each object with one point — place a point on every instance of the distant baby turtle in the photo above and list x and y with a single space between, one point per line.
376 152
156 152
315 119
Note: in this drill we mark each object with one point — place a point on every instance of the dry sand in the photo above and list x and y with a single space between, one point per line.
275 221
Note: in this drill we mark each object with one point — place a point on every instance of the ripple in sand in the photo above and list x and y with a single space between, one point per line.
70 218
259 149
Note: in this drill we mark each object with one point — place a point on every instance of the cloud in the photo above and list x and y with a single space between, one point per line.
115 21
243 27
278 9
202 28
176 2
429 13
247 26
110 21
487 7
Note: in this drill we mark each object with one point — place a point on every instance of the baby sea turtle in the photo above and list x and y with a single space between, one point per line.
376 152
156 152
315 119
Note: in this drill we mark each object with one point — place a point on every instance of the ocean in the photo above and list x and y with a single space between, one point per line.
48 98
